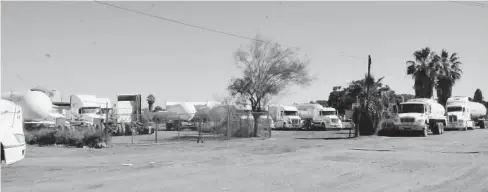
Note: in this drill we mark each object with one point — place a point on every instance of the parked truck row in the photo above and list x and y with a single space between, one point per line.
422 115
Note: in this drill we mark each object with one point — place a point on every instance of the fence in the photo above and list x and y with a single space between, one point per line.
212 125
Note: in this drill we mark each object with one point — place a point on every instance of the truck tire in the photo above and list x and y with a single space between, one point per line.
425 132
438 129
435 129
323 126
482 124
119 130
3 154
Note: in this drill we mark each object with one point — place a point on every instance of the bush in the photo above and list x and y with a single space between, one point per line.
75 136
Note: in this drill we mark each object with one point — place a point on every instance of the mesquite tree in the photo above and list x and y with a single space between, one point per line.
268 69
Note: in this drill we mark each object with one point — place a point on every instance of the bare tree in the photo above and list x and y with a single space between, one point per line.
268 69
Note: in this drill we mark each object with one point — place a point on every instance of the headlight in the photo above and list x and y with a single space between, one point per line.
420 121
20 138
396 119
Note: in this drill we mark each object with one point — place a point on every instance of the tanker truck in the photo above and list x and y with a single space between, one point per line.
12 138
317 116
178 114
37 108
308 112
419 116
284 116
328 119
464 114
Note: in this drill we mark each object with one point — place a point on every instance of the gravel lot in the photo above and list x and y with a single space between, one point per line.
291 161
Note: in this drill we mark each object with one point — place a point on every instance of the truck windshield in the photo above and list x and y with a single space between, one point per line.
453 109
412 108
323 113
90 110
290 113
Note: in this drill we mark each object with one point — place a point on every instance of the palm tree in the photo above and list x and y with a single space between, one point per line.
424 70
150 101
449 74
379 97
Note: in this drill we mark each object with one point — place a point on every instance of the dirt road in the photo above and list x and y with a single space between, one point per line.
454 161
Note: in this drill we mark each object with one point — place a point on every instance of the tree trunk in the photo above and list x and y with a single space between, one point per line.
256 123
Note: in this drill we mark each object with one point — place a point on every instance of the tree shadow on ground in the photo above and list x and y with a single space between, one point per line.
326 138
389 133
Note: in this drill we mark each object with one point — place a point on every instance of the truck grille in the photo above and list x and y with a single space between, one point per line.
407 120
452 118
334 120
295 122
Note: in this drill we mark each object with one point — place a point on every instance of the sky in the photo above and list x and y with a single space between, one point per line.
90 48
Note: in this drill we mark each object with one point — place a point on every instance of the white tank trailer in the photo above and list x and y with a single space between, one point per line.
37 108
464 114
308 112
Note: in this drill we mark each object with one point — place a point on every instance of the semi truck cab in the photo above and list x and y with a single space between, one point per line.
327 119
459 118
12 139
420 115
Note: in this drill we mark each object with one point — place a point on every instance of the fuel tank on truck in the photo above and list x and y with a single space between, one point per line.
179 111
436 108
36 105
478 110
308 111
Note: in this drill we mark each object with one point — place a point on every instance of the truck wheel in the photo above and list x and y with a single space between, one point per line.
435 129
482 125
425 132
119 130
3 154
438 129
323 127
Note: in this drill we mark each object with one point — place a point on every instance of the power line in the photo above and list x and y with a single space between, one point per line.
186 24
203 28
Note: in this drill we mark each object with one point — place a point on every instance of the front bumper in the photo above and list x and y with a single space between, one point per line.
409 127
456 125
330 126
292 125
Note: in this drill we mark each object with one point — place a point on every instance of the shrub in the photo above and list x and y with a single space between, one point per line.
74 136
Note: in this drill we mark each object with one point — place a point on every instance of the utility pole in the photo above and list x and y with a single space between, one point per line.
365 106
106 126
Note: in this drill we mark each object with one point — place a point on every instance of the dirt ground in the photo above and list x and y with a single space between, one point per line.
291 161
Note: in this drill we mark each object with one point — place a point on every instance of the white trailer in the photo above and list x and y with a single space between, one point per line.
420 115
284 116
12 138
464 114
